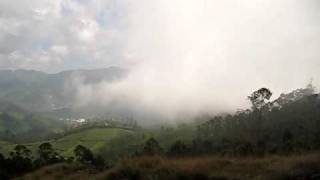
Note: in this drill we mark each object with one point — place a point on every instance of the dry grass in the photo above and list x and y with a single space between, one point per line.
60 172
211 167
197 168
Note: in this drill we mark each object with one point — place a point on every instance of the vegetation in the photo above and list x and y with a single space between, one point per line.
19 125
191 168
20 160
152 147
277 139
291 123
50 94
98 139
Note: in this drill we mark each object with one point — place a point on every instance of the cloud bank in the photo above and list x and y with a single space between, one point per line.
57 35
185 57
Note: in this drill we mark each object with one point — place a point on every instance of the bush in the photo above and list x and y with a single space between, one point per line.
152 147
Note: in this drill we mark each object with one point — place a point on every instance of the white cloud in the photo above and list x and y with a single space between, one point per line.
208 55
62 34
60 50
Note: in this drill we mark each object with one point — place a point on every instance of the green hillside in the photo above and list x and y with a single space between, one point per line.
96 139
18 126
5 147
111 143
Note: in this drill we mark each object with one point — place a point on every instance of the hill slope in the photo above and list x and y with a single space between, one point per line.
96 139
17 124
40 92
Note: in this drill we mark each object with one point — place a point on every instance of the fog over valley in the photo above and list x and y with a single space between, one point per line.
160 89
181 57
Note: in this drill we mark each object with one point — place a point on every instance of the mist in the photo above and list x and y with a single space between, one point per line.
192 57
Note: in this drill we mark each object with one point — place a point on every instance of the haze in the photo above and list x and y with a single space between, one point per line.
185 56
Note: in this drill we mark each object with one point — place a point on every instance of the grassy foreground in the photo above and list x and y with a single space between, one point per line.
197 168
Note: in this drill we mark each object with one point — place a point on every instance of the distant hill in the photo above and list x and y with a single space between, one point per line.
32 101
50 94
17 124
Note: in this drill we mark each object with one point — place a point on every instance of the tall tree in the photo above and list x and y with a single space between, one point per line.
258 98
83 155
20 160
47 155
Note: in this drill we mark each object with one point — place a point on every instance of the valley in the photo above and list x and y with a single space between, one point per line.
250 143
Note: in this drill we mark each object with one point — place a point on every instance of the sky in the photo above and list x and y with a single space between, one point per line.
183 55
55 35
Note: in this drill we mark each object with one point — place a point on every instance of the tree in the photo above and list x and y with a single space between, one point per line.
83 155
47 155
4 169
20 160
45 151
99 162
152 147
21 150
178 148
258 98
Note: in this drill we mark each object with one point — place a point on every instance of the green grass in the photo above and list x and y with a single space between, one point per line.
16 115
94 139
5 147
110 143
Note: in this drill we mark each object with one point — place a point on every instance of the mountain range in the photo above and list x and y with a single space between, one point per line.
50 94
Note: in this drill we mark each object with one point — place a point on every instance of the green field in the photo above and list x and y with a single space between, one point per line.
95 139
110 143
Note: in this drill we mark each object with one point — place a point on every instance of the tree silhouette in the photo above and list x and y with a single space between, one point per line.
45 151
4 169
83 155
258 98
178 148
20 160
22 151
47 155
152 147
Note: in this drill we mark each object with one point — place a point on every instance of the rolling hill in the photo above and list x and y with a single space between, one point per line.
96 139
50 94
18 125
